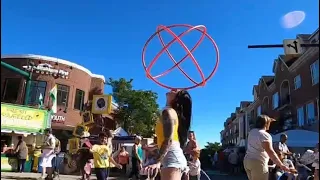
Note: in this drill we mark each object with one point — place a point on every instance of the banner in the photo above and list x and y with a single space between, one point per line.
23 119
101 104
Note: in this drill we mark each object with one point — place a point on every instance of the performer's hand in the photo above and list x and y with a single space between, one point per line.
153 166
119 166
153 170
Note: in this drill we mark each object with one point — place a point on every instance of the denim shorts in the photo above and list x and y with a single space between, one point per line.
175 158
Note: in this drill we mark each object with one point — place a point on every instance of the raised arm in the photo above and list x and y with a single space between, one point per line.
168 121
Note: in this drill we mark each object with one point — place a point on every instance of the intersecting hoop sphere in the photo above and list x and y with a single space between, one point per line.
165 48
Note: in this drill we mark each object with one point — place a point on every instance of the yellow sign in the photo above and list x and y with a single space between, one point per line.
101 104
74 144
8 164
19 118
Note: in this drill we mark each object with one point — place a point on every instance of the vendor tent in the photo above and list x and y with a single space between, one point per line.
299 138
120 132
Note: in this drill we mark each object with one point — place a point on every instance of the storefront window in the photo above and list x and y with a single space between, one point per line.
11 90
38 91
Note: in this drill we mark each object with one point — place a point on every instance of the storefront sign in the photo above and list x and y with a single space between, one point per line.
47 69
23 119
58 119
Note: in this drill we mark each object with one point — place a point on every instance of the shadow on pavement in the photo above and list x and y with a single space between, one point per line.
18 178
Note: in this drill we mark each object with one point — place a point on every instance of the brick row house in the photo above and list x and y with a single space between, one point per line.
290 95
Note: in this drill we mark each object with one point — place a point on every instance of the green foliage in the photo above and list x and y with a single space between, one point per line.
138 109
211 148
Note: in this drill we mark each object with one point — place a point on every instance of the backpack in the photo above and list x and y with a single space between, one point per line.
57 147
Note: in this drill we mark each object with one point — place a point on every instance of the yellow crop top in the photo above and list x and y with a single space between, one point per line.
160 136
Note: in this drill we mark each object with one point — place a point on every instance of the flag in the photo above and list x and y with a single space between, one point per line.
53 96
40 101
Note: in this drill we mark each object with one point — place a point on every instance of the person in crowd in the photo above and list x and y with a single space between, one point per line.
215 160
21 151
123 159
85 156
315 164
136 160
47 154
102 157
150 159
195 166
4 149
281 147
289 175
172 132
221 161
260 150
241 154
191 145
233 161
110 146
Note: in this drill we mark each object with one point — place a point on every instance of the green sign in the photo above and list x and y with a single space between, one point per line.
23 119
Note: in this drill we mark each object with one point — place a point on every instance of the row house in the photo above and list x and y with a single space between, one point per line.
291 95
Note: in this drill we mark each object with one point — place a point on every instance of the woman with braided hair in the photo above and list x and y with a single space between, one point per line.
172 131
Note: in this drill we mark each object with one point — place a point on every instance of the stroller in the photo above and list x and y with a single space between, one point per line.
303 166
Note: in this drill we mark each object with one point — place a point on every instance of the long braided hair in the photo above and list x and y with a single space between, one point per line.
183 106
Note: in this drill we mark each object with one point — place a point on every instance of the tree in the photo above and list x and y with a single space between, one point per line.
211 148
137 109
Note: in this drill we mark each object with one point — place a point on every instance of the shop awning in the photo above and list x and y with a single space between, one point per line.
15 132
299 138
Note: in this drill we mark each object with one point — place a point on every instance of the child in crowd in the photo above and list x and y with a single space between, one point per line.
102 157
194 165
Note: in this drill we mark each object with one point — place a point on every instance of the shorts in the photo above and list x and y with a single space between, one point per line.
175 158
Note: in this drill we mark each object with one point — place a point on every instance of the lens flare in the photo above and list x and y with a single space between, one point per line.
292 19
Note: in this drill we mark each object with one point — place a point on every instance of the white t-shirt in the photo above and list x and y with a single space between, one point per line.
283 147
194 167
255 149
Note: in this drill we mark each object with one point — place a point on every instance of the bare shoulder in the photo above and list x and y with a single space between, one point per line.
169 113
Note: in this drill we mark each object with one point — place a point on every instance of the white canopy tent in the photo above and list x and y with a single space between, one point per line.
120 132
299 138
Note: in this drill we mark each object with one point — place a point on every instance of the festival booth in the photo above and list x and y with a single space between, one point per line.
23 121
299 140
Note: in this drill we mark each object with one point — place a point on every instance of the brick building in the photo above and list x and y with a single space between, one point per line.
291 95
74 84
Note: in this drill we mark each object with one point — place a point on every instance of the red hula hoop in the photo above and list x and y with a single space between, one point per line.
161 28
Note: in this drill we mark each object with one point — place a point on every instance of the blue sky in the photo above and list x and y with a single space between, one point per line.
107 37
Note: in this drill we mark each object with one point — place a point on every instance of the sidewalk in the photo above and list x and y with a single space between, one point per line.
35 176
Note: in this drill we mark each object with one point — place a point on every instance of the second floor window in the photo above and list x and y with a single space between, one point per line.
314 68
38 90
259 111
310 113
297 82
62 95
300 116
11 90
275 100
79 99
